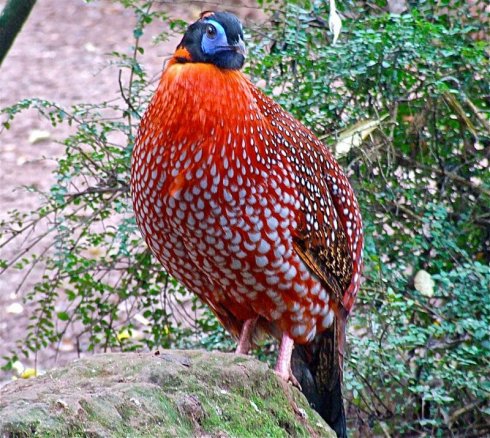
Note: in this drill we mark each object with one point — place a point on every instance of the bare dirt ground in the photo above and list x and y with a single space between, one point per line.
61 55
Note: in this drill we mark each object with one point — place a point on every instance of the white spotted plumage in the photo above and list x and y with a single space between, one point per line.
221 208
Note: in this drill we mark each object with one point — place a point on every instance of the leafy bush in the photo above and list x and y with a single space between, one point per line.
93 258
419 362
419 353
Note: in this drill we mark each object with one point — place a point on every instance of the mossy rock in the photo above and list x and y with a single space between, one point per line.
170 394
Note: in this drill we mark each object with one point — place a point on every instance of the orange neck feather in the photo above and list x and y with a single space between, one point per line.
197 96
199 106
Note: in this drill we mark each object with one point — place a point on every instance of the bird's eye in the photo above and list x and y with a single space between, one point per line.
211 31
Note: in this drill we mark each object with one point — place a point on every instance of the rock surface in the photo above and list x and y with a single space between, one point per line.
170 394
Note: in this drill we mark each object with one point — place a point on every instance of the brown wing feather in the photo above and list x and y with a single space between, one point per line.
312 261
320 239
331 262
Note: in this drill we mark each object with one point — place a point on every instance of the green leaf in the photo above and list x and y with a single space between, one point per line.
63 316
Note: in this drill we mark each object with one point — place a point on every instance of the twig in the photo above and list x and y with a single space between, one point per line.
96 190
127 98
458 412
407 161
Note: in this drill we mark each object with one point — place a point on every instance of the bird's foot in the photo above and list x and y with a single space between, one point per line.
283 364
241 349
288 377
246 335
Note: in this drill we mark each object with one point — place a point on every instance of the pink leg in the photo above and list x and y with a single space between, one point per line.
245 341
283 364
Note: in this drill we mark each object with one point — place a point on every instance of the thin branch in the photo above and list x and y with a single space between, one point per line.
98 191
459 179
127 99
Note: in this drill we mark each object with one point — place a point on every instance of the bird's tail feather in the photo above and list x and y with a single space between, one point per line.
318 369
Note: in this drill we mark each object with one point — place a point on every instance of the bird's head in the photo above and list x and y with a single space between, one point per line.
216 38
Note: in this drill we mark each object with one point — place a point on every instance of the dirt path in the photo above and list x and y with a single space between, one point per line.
59 56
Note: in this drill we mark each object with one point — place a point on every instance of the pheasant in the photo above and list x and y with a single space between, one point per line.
249 210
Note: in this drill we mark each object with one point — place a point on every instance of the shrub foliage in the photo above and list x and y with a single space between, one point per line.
419 357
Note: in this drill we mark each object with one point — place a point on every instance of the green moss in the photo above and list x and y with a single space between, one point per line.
238 410
37 422
177 395
139 413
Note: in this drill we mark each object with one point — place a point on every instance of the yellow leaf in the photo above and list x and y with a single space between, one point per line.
354 135
28 373
123 334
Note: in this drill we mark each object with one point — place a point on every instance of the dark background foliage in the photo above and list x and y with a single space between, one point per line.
415 88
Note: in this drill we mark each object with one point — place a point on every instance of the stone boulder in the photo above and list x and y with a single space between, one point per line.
163 394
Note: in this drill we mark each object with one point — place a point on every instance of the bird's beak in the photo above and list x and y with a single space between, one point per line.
240 47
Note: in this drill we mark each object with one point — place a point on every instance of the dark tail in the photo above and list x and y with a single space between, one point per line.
318 369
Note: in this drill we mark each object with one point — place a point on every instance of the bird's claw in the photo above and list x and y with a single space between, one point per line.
288 377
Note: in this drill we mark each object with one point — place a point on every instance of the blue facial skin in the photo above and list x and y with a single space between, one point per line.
214 41
219 50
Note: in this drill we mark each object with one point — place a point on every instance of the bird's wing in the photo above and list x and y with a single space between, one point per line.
321 237
332 263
